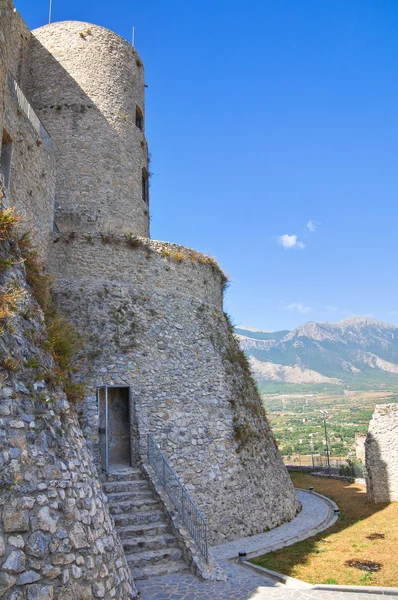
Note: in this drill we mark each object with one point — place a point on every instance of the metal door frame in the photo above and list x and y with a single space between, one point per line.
105 459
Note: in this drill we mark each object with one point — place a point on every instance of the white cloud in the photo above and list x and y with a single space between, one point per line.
311 226
332 309
299 306
290 241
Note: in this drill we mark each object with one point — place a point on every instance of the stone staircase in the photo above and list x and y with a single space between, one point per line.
150 547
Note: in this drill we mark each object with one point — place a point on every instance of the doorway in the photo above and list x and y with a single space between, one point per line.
114 426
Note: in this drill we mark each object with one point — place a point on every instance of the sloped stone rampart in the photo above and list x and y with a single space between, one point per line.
381 449
141 262
163 333
57 539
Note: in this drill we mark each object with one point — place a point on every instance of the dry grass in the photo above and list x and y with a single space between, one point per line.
9 301
323 558
63 341
8 220
11 363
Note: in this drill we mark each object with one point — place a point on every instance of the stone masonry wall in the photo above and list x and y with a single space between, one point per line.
381 449
57 539
86 83
32 182
163 333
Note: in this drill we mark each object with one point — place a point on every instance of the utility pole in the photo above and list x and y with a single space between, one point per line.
312 448
325 415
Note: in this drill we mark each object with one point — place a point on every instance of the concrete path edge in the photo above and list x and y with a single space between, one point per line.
330 519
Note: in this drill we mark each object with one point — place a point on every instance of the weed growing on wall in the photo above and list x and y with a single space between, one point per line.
8 220
63 341
250 422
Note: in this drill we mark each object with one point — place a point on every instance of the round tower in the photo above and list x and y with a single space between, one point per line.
87 86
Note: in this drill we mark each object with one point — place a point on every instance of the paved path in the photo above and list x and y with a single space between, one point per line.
241 584
245 584
315 513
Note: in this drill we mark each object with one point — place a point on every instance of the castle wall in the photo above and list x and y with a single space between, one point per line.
57 538
381 449
163 333
32 180
86 82
360 439
131 261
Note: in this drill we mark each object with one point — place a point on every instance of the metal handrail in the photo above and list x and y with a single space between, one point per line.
27 109
189 513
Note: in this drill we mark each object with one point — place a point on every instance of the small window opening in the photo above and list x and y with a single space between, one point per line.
139 118
5 159
145 186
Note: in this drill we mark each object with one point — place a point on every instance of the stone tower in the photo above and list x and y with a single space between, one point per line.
159 350
88 87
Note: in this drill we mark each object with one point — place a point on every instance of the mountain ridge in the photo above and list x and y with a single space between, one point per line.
357 352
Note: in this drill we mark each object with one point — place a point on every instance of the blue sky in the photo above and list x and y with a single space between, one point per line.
268 120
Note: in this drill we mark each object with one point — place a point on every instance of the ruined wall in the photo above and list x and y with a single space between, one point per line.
86 83
381 449
32 182
158 327
57 539
360 439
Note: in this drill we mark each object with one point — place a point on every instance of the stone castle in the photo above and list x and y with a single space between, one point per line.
160 356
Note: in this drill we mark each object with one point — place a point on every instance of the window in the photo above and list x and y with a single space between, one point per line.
139 118
145 186
5 159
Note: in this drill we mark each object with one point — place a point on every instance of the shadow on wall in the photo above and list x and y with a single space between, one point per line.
377 478
97 183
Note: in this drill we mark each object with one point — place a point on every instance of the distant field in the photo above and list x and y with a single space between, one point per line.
295 416
364 537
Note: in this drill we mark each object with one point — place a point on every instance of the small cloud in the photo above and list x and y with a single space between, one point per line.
311 226
290 241
299 307
332 309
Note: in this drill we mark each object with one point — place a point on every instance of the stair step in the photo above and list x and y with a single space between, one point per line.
157 528
138 518
135 504
148 543
166 567
124 474
143 558
117 497
114 487
150 548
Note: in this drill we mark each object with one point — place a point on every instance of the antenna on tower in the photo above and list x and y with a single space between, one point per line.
132 37
50 11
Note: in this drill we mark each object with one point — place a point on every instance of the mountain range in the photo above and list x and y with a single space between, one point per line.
356 353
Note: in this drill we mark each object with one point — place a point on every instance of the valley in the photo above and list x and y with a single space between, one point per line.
294 417
345 368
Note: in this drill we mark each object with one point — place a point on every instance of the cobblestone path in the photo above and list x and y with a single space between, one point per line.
241 584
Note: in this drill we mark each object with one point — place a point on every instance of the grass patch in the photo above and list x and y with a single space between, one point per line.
63 341
338 553
9 300
8 220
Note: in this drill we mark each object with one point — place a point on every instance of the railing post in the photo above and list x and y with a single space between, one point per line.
206 553
164 473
